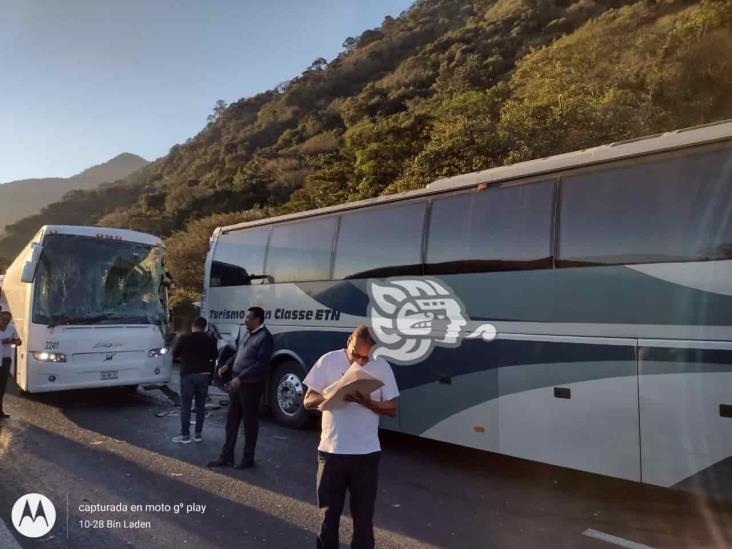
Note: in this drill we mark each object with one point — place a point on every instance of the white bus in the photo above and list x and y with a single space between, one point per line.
90 306
606 274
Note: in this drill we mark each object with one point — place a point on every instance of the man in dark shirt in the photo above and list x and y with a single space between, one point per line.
250 369
197 352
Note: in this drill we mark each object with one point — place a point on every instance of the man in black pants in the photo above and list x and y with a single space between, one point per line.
349 450
250 369
197 352
8 337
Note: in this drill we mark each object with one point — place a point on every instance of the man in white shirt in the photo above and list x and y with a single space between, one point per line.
349 450
8 337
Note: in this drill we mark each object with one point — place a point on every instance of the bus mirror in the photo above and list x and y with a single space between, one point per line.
36 251
269 279
29 271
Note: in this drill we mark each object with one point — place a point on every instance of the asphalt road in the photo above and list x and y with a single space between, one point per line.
111 447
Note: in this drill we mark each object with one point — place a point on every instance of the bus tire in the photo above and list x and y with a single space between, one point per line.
286 395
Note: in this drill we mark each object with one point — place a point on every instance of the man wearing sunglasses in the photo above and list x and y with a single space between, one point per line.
349 450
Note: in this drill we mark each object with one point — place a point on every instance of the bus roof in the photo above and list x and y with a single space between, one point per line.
103 232
707 133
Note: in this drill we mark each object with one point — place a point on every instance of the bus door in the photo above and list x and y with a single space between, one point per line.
570 401
685 390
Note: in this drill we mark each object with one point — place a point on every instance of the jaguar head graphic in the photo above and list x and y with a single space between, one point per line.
409 317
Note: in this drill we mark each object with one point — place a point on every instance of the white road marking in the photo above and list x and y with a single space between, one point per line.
615 540
7 541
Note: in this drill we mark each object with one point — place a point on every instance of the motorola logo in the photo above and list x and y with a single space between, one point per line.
33 515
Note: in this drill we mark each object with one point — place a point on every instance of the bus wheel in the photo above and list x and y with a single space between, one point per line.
287 393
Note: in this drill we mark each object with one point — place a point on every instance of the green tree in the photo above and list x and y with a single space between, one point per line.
382 150
218 110
349 43
462 138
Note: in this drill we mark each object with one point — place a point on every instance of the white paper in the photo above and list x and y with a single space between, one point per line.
355 379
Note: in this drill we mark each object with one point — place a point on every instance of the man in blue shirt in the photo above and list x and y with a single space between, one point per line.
250 369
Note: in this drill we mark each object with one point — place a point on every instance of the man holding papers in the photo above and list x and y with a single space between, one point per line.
352 391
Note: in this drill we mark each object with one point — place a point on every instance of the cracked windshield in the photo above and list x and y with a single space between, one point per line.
84 280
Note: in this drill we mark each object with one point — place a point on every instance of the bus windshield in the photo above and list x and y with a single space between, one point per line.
85 280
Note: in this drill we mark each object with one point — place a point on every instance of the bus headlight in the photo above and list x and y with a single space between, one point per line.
44 356
158 352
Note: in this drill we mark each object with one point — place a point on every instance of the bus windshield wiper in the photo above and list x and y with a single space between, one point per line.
58 319
139 319
68 320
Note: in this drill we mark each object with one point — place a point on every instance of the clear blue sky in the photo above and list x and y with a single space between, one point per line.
84 80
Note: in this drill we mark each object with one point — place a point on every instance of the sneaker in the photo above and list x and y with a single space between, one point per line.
180 439
245 465
198 438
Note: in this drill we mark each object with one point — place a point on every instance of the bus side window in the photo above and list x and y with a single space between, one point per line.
239 258
380 242
223 274
663 210
498 229
301 251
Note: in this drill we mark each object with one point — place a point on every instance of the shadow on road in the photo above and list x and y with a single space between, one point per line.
94 476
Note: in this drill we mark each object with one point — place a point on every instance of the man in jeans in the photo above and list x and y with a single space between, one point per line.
349 450
197 352
8 337
250 370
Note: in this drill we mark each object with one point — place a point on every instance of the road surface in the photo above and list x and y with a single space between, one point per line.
84 449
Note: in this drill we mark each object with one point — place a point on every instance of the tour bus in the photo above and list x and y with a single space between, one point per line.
574 310
90 306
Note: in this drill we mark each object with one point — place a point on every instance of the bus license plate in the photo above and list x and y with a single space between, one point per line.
110 375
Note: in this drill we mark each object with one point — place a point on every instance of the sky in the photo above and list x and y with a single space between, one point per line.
82 81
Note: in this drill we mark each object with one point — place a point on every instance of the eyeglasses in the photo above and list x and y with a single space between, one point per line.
355 355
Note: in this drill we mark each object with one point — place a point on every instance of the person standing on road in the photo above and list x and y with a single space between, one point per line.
250 369
8 337
349 450
197 352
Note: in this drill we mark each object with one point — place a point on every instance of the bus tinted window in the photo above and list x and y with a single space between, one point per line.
223 274
385 241
239 256
498 229
301 251
673 209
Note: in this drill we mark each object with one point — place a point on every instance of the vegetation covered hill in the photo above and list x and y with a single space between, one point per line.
19 199
450 86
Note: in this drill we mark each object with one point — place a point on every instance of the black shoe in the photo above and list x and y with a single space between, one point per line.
220 463
3 415
244 465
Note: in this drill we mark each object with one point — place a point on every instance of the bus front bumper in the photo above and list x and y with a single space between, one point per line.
62 376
